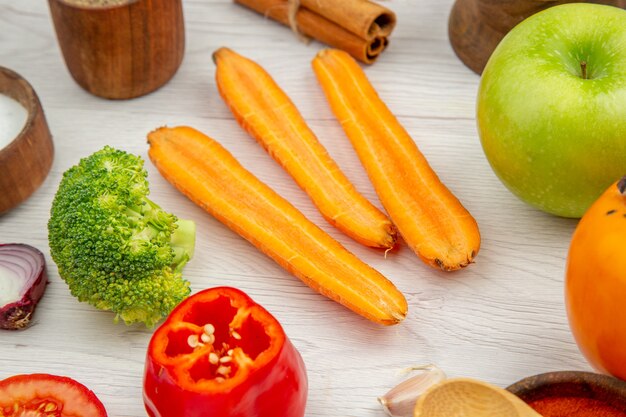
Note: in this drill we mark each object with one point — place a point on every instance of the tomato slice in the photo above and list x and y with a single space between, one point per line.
43 395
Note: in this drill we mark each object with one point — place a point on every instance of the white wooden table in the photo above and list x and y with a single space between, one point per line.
500 319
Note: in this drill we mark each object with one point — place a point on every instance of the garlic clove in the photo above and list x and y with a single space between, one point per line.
400 400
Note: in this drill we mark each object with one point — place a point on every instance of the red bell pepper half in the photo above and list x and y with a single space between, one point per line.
220 354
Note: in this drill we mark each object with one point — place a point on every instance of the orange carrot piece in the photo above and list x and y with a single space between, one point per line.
267 113
213 179
429 217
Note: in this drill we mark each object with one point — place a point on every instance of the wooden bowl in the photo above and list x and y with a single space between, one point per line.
475 27
122 51
607 389
25 161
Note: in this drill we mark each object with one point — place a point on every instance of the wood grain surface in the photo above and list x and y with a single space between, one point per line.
500 319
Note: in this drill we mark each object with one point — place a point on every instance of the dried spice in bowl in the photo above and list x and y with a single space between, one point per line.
574 407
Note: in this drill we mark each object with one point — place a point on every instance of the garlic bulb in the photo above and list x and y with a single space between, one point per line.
400 400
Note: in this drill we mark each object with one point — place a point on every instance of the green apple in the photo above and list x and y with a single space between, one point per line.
551 107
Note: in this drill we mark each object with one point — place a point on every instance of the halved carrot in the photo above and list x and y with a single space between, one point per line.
213 179
429 217
267 113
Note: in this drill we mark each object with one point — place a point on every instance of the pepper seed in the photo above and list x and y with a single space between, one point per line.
224 370
208 328
193 341
213 358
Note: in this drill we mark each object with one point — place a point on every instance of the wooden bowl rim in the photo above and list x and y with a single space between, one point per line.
96 8
32 104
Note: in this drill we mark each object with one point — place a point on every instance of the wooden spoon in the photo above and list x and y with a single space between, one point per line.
464 397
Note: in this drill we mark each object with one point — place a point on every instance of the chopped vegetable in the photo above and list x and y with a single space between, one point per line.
267 113
23 281
429 217
213 179
221 354
116 249
43 395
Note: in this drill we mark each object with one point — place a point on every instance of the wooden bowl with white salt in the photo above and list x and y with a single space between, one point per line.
26 149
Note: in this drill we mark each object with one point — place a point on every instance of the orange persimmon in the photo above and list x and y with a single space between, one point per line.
213 179
595 282
264 110
429 217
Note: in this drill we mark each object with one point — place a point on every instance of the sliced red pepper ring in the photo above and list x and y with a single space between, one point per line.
43 395
221 354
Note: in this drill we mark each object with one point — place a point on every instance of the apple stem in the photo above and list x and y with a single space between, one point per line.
621 185
583 68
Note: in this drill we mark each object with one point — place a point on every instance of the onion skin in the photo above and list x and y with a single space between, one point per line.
17 315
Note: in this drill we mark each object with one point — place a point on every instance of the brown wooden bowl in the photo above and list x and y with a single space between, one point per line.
122 51
25 161
607 389
475 27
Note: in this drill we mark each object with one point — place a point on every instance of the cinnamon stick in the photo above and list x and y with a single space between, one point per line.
361 17
314 25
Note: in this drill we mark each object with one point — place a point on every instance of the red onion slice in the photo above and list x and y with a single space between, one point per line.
23 281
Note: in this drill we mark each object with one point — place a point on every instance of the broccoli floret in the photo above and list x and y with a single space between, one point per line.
116 249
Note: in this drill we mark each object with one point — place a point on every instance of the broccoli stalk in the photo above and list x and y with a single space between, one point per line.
183 242
114 247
